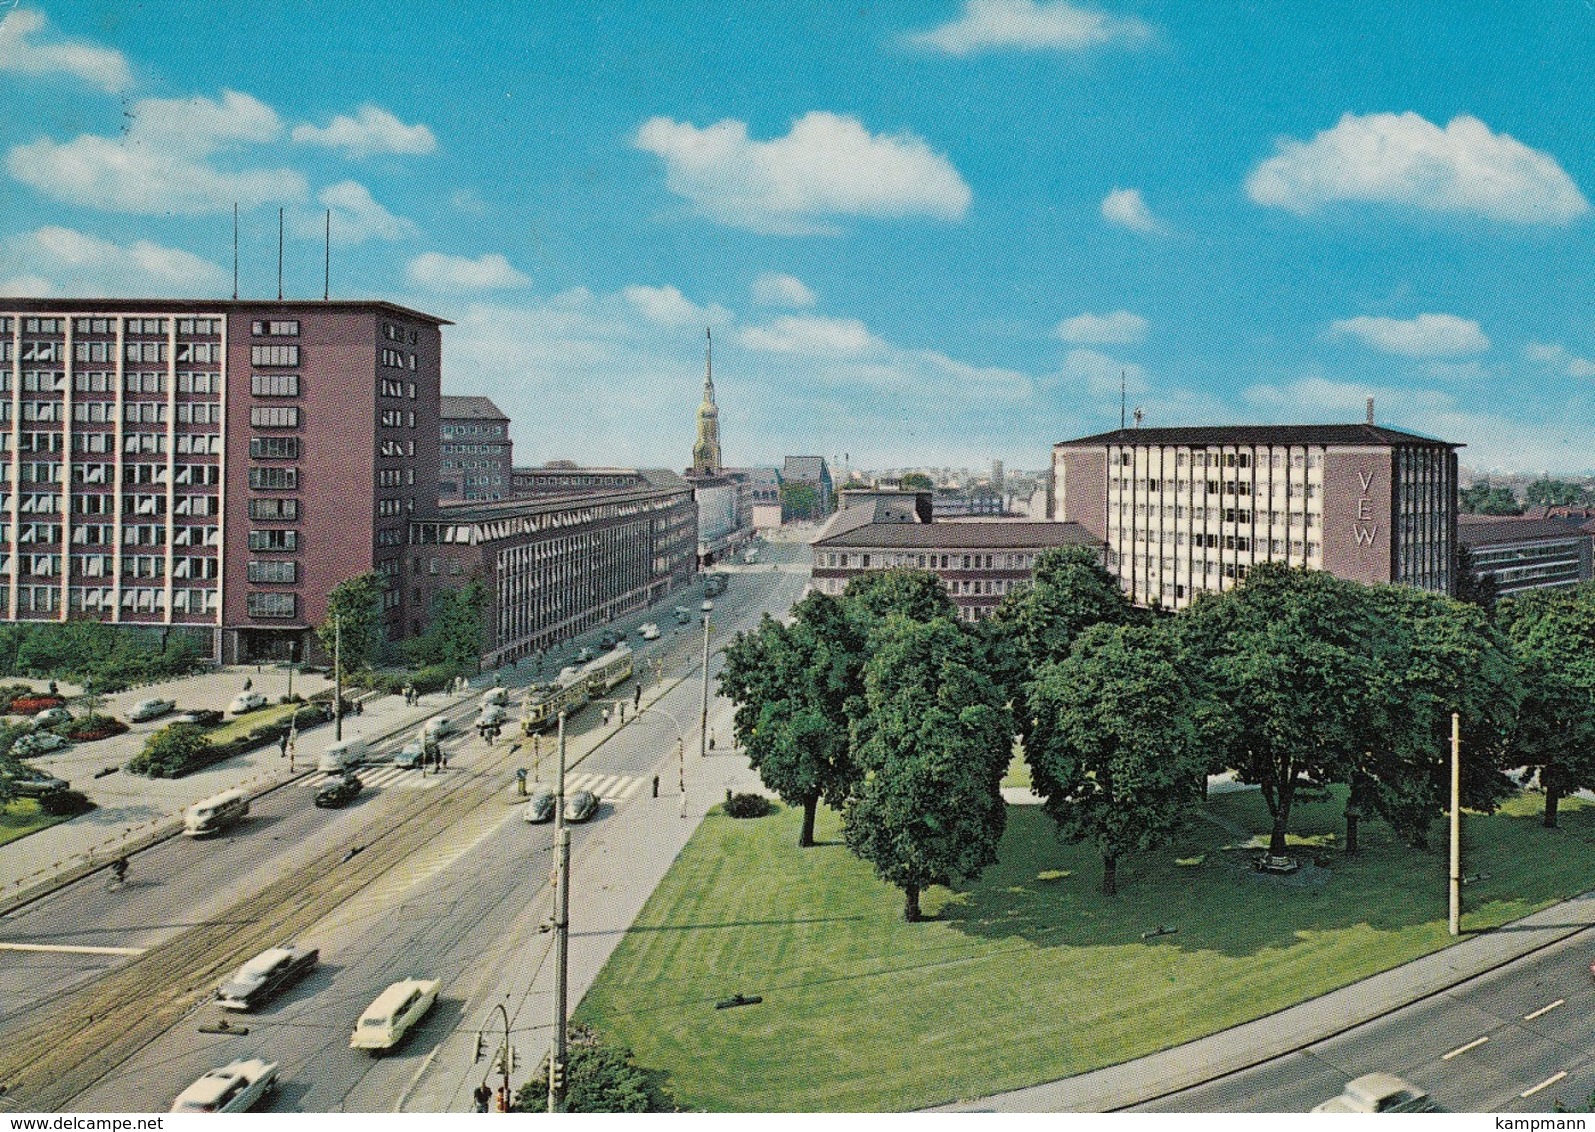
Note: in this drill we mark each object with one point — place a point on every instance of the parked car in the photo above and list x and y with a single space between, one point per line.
246 702
200 717
438 727
236 1087
649 631
580 806
37 743
541 807
151 709
499 696
609 640
265 975
338 792
584 654
49 717
1379 1092
410 755
29 783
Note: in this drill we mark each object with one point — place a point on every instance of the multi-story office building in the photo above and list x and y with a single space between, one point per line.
1187 510
813 472
213 464
979 561
1521 553
566 556
477 455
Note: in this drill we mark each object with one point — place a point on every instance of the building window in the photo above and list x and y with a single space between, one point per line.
274 540
274 416
274 355
274 447
274 509
267 572
274 479
272 604
280 328
274 384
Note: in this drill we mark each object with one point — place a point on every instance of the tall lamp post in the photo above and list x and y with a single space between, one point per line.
337 676
681 743
703 716
556 1059
293 650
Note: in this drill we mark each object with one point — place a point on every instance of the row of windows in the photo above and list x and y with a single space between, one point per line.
275 328
394 333
398 359
208 352
450 431
284 510
390 387
1021 560
395 477
1231 459
274 384
274 479
283 572
274 540
394 418
274 355
274 447
270 604
397 448
274 416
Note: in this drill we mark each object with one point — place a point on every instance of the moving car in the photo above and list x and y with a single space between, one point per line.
707 605
246 702
498 696
151 709
215 813
1379 1092
236 1087
436 728
584 654
265 975
541 806
492 714
411 755
609 640
580 806
49 717
649 631
683 615
37 743
338 792
200 717
392 1013
343 755
29 783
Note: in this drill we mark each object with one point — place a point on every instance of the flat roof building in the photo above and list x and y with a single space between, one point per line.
477 455
1522 553
1184 511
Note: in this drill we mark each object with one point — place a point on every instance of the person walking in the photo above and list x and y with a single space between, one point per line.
482 1096
636 699
606 717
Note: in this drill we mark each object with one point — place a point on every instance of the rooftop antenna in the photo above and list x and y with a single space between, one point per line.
1138 414
1121 400
326 262
279 255
235 251
1370 410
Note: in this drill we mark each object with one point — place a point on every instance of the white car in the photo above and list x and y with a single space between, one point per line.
151 709
649 631
498 696
437 728
493 714
236 1087
395 1010
1379 1092
245 703
49 717
37 743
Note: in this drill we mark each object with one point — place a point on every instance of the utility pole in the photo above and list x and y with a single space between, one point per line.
337 676
1456 824
703 718
556 1057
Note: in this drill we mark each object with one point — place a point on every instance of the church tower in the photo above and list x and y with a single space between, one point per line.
706 450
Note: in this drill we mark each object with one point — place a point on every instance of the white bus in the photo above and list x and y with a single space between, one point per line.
216 813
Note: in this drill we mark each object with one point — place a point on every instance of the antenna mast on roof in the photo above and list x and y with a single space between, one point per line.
1121 400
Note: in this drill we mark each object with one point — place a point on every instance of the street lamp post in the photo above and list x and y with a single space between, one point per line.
293 649
556 1061
337 676
703 716
681 743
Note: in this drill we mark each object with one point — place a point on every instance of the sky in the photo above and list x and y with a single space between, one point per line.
936 232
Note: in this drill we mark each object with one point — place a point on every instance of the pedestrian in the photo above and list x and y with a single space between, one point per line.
711 738
482 1096
360 706
443 760
248 683
636 699
283 745
606 717
54 689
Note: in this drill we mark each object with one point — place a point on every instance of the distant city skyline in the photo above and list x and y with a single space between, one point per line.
918 230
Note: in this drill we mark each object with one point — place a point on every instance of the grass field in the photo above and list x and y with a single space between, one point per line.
244 724
22 816
1028 974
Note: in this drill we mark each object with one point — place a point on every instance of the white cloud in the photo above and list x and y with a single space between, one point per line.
1119 328
775 290
827 165
1128 208
667 306
1102 374
372 130
1404 159
161 165
55 260
356 217
815 336
20 55
1426 336
1052 25
454 273
468 202
1559 357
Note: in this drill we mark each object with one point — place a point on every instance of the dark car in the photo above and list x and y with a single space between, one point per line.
203 717
265 975
29 783
339 791
581 805
609 640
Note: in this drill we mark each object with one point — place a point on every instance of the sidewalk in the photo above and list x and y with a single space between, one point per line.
133 810
1135 1082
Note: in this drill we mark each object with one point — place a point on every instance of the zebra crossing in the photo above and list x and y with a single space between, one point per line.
611 788
408 778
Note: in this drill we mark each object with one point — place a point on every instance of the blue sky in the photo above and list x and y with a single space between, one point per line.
924 233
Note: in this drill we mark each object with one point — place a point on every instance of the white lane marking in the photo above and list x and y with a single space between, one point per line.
1545 1084
1544 1010
72 949
1464 1049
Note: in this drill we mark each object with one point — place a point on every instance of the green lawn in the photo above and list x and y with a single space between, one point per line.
1018 772
1028 974
22 816
244 724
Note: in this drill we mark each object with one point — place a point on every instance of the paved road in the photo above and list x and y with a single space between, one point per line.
452 910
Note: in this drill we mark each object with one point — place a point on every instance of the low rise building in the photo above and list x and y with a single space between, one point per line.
1520 553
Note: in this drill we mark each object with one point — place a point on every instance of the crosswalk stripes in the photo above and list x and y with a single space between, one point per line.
377 776
611 788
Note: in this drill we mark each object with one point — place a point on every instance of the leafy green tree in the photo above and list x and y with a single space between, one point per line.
1286 655
915 594
1483 499
932 740
917 481
792 685
172 751
800 501
1552 635
598 1078
1472 586
354 611
455 629
1557 493
1118 756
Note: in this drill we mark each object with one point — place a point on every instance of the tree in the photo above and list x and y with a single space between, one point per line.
1557 493
1117 758
915 594
454 630
598 1078
792 685
354 613
917 481
932 740
1473 587
1285 654
1483 499
800 501
1552 635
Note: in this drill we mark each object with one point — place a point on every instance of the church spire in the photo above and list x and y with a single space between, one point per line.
706 450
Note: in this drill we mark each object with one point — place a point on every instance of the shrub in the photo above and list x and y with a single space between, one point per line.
748 806
87 728
33 704
598 1078
65 803
9 692
173 751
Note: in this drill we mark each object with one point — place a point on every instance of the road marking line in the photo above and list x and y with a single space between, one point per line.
1544 1010
72 949
1464 1049
1545 1084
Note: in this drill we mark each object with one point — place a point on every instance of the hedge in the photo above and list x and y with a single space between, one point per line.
182 748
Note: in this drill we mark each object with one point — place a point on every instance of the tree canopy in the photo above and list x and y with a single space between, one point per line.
454 630
357 603
916 594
